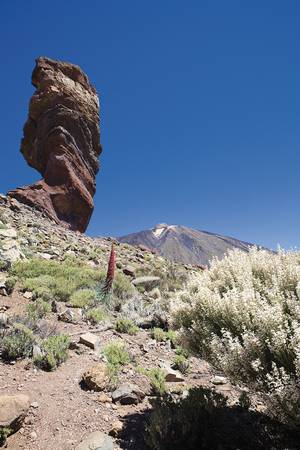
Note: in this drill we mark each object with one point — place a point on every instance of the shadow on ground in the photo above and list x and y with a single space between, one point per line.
204 425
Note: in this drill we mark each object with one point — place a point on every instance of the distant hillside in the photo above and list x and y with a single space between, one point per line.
183 244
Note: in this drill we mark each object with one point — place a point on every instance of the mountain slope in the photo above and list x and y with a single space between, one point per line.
183 244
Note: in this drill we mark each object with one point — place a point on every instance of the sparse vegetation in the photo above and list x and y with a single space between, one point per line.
38 309
117 356
17 343
54 280
95 315
156 377
83 298
54 352
181 363
126 326
160 335
116 353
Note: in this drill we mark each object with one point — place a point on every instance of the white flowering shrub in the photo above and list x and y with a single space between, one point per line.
243 315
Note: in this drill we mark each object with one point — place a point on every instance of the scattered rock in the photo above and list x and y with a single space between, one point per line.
8 233
70 316
116 428
95 377
28 295
129 270
218 380
96 441
148 282
90 340
34 405
104 398
172 376
3 320
128 394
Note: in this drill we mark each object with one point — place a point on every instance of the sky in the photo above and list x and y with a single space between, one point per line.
200 109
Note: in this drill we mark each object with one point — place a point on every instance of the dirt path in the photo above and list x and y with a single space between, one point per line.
62 412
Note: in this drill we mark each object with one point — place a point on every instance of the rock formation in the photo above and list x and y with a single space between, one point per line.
62 141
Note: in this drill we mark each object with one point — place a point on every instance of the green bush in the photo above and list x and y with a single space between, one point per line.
126 326
117 356
158 334
83 298
122 287
17 343
95 315
55 280
116 353
38 309
54 352
4 433
157 380
180 363
188 423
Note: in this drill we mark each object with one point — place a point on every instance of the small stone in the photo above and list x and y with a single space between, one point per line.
172 376
116 429
129 270
148 282
28 295
219 380
34 405
128 394
104 398
33 435
90 340
95 377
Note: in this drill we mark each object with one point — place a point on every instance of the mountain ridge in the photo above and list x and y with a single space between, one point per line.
183 244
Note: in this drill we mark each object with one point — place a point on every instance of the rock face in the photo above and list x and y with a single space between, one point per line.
62 142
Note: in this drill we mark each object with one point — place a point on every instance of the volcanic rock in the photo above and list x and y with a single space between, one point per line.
62 141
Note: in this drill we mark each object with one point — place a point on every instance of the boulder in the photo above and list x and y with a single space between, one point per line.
171 375
148 282
61 141
95 377
128 394
96 441
129 270
13 410
90 340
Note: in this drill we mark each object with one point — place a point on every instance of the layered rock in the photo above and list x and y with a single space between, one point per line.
62 141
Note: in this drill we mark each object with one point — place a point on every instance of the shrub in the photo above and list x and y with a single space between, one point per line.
95 315
54 352
116 354
38 309
4 433
17 343
126 326
244 318
157 378
202 420
180 363
83 298
158 334
55 280
122 287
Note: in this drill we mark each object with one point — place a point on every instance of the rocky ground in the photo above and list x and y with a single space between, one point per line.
71 407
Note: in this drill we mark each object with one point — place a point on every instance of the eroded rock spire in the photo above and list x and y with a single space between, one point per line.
62 141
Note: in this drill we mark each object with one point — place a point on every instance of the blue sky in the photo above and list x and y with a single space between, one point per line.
200 109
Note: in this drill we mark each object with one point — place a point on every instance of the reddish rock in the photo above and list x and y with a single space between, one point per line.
62 141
